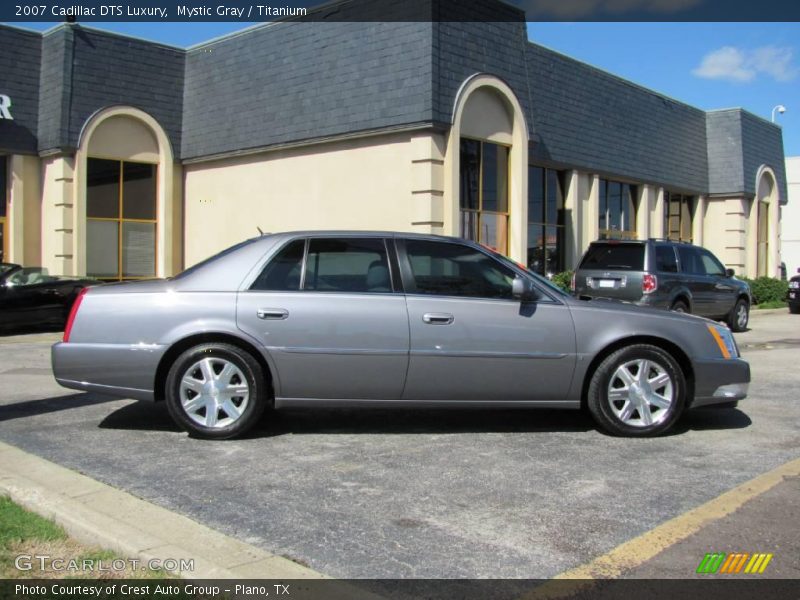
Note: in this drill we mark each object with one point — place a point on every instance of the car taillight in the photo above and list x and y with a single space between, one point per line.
649 283
73 312
572 282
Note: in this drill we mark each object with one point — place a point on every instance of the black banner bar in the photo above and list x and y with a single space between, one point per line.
712 588
255 11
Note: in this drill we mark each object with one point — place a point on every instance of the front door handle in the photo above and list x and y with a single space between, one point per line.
275 314
438 318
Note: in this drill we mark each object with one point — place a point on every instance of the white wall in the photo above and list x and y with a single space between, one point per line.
790 218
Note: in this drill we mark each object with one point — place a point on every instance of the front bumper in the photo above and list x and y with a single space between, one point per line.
718 381
124 370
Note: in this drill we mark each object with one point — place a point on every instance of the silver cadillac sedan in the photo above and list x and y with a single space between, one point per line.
380 319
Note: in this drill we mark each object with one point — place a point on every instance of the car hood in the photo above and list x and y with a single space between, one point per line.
622 308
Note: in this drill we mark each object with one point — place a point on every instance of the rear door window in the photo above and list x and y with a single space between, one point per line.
690 261
614 257
282 273
347 265
665 259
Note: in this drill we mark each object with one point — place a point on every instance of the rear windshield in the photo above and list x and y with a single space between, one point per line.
614 257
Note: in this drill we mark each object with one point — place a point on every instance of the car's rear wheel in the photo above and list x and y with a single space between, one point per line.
739 316
794 309
216 391
637 391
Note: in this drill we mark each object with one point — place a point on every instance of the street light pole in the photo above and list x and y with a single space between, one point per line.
780 108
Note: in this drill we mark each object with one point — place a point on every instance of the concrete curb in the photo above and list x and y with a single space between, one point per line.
769 311
98 514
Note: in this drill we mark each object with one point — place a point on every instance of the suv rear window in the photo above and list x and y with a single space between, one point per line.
614 257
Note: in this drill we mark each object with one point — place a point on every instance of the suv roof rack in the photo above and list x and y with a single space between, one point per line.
654 239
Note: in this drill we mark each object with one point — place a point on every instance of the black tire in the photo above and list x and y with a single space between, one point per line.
220 355
739 317
794 309
680 306
603 409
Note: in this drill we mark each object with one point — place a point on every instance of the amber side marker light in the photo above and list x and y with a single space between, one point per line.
719 340
73 312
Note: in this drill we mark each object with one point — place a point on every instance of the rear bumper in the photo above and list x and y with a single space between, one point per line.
719 381
123 370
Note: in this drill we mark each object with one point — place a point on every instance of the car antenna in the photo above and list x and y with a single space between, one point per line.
259 230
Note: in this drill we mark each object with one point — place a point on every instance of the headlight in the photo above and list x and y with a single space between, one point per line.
794 284
724 338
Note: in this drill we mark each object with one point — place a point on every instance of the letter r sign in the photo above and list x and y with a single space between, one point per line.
5 107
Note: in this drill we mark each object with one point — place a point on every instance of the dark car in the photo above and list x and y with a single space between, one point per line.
794 294
664 274
31 298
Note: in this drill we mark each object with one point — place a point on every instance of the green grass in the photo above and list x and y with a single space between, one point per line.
22 531
18 524
771 304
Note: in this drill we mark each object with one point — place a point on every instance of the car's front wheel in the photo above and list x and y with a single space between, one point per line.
216 391
637 391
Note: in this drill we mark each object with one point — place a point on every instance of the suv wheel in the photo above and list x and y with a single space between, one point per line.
739 316
637 391
680 306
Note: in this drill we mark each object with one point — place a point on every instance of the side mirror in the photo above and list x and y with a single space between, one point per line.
522 289
729 272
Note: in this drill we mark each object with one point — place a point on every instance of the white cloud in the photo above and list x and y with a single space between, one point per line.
574 9
735 64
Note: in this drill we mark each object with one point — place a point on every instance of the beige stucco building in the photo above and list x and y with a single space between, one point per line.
142 159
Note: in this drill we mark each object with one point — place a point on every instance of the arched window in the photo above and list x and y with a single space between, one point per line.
764 198
124 175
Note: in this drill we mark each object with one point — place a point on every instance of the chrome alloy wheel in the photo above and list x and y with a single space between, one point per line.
214 392
640 393
741 315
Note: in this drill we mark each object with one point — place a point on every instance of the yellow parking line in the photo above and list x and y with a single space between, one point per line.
644 547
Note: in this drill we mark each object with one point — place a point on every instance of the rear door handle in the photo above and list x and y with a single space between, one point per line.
275 314
438 318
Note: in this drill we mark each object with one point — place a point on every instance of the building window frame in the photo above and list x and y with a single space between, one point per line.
679 216
472 215
4 207
121 220
762 237
617 209
544 226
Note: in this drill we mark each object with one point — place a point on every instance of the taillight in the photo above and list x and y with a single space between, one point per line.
572 282
73 312
649 283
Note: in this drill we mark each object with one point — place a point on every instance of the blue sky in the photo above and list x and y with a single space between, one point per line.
709 65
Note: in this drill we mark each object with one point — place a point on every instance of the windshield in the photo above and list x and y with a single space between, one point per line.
6 267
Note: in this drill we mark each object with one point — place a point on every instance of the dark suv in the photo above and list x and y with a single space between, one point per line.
664 274
794 294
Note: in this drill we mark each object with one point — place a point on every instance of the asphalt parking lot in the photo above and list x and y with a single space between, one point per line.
420 494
